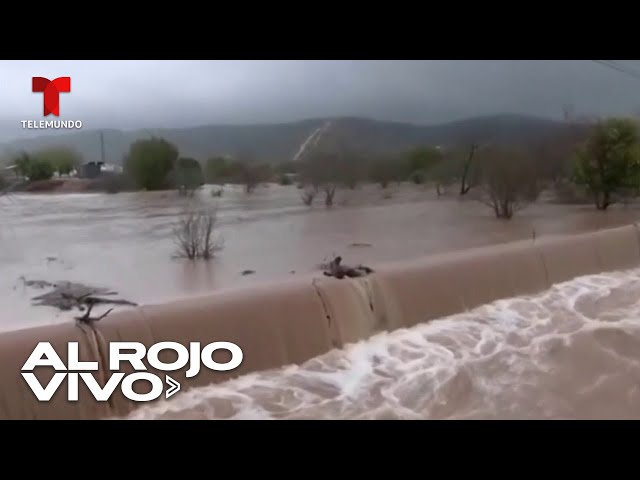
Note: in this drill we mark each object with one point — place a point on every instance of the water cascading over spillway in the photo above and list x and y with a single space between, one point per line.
568 353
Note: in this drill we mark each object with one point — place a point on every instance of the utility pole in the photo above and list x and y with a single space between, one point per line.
102 146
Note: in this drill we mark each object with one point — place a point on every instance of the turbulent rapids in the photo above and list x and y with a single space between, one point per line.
571 352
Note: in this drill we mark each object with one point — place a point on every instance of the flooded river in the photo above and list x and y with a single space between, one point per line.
570 353
124 242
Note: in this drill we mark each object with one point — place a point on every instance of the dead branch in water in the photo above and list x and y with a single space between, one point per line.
67 296
86 318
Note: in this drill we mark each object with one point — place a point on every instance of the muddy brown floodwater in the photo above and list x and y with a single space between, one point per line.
124 242
571 352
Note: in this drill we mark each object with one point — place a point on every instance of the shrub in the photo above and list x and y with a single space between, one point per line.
308 196
40 170
194 235
418 177
285 180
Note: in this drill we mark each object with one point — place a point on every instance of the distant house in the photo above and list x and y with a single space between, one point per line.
96 169
11 173
108 167
90 170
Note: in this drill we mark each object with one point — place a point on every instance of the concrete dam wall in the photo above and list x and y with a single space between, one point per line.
293 321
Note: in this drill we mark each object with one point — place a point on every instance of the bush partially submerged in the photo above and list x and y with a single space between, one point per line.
308 195
285 180
418 177
194 235
509 179
329 193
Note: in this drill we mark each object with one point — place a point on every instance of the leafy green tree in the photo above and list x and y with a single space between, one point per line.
422 159
63 160
23 164
609 162
386 170
188 173
150 162
40 170
217 170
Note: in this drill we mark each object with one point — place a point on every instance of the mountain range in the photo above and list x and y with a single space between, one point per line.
286 141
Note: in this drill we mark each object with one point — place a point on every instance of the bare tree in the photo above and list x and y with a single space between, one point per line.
555 157
329 192
321 170
308 195
465 184
332 162
385 169
509 181
246 170
247 175
458 164
194 234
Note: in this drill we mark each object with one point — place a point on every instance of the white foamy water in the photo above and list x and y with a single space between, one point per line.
571 352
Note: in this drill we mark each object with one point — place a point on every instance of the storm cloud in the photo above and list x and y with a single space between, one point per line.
150 94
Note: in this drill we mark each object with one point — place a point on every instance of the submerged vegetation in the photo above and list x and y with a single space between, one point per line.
195 236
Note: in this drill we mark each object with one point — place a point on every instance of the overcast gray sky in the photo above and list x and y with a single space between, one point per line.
145 94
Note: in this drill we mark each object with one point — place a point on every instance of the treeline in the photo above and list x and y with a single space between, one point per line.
599 163
43 164
155 164
150 164
323 172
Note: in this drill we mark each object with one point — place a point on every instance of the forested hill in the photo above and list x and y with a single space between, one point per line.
279 142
